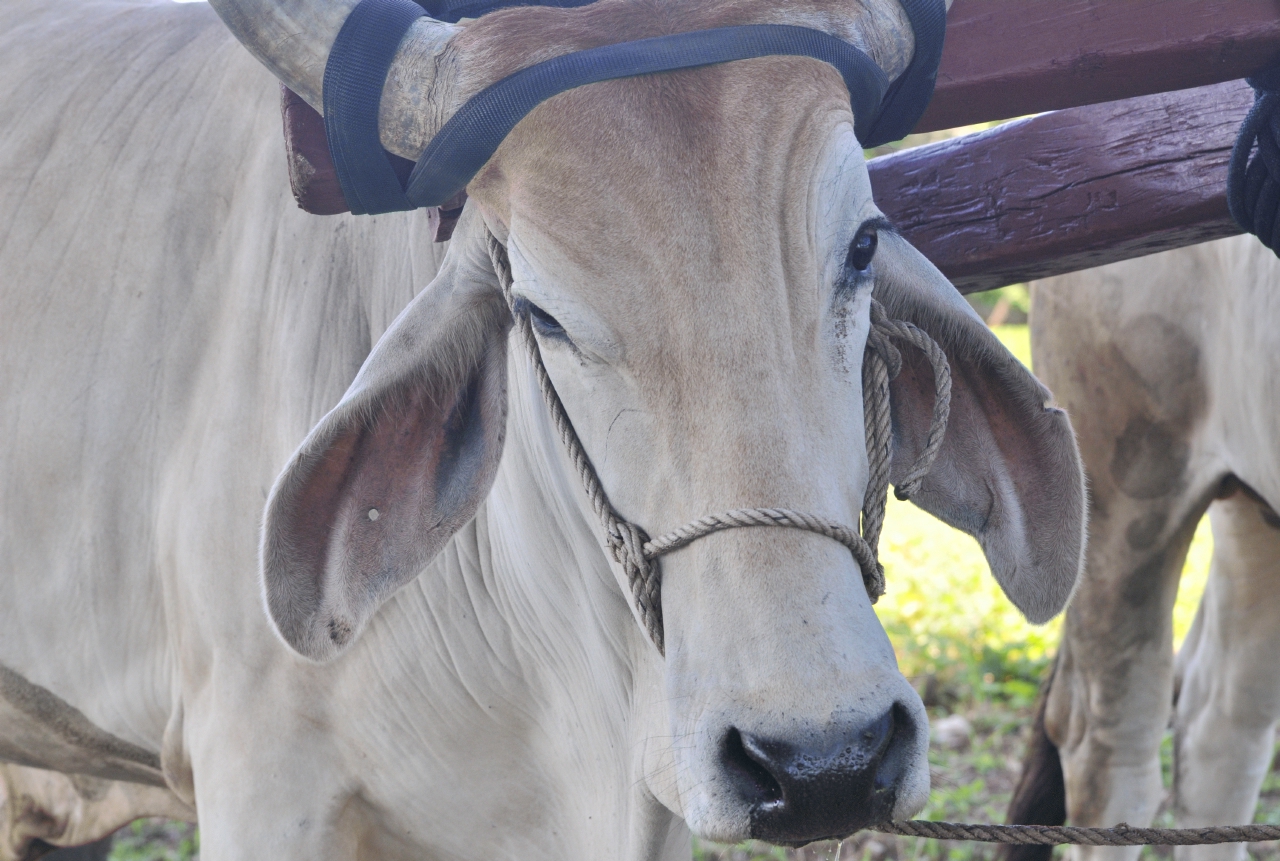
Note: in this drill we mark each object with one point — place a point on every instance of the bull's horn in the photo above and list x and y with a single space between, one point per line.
292 38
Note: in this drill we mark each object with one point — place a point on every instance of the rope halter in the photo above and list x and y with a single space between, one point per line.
637 554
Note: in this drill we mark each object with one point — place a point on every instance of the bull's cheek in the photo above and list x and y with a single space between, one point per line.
659 765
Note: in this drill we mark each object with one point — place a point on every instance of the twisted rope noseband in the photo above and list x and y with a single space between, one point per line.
638 555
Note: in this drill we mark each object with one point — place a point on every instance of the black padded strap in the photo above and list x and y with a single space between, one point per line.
1253 173
453 11
906 100
471 136
353 79
361 56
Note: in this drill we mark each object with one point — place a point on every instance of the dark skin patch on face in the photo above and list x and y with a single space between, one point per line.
339 632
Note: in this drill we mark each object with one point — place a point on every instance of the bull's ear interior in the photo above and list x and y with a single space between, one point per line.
1009 472
395 469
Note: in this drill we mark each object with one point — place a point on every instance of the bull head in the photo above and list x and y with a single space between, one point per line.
698 251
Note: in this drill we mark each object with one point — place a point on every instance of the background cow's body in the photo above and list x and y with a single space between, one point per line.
1170 369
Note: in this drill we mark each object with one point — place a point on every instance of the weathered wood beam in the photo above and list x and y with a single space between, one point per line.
1009 58
1068 190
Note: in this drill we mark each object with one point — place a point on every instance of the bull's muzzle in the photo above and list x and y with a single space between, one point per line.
825 788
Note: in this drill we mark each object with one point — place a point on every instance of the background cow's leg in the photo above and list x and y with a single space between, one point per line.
1109 702
1229 696
41 811
99 850
1040 797
1131 380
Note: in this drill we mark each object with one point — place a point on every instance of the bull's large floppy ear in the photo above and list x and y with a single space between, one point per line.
398 466
1009 472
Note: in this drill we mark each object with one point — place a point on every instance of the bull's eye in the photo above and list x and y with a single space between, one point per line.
543 323
863 248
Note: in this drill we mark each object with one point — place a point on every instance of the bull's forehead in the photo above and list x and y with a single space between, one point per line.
723 194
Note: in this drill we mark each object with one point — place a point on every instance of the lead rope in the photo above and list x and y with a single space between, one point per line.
631 547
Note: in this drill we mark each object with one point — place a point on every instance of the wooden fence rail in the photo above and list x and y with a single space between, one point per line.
1070 189
1009 58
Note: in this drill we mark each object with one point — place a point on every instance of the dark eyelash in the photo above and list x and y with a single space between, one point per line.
543 323
543 320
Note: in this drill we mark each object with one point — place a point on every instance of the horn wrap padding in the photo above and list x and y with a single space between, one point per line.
361 57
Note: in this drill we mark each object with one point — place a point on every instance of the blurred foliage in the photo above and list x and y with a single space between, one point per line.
1018 341
925 138
1003 305
156 840
1017 295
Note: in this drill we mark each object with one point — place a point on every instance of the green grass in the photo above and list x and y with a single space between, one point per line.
156 840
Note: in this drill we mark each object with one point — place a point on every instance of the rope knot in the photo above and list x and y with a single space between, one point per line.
626 544
882 363
1253 174
879 343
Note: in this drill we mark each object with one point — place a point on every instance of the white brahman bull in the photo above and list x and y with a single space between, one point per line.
701 247
1169 367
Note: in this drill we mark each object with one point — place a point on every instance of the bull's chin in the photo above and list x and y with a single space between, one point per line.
712 823
763 822
841 821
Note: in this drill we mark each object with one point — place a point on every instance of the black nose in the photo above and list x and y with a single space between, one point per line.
826 787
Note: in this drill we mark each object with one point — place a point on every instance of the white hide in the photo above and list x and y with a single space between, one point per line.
173 328
1170 368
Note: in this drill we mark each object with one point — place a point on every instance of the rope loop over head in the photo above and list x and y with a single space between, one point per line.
637 555
1253 174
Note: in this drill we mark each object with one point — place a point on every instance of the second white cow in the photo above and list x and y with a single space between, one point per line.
1169 366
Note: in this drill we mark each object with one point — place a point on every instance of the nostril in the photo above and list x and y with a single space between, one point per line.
895 748
820 784
746 766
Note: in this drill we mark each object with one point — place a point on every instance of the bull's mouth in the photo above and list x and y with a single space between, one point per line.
879 810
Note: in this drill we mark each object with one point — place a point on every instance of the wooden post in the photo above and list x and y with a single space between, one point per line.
1068 190
1009 58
